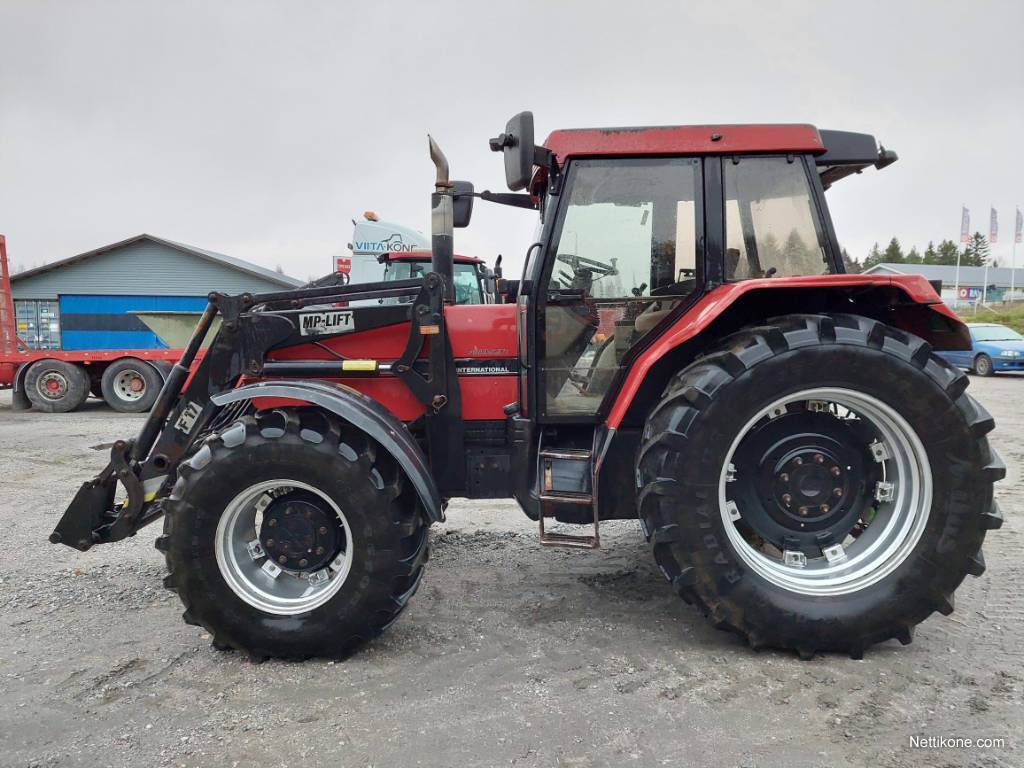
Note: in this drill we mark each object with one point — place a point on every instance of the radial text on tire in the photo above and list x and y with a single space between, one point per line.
292 534
820 483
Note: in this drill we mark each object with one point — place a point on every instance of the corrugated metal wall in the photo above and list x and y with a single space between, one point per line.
106 322
142 268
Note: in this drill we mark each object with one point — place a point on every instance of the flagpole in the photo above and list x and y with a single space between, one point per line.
956 282
1013 251
1013 266
984 287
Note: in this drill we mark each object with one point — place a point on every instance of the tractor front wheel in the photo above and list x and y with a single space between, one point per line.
292 534
822 483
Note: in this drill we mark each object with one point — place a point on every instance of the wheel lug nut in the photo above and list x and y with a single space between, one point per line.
303 562
319 550
803 511
824 507
323 529
282 559
784 477
819 459
798 461
270 542
836 471
837 491
271 522
787 499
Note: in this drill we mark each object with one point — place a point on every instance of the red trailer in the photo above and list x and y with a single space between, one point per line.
56 382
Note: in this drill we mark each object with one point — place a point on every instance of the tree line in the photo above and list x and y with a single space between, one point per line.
975 253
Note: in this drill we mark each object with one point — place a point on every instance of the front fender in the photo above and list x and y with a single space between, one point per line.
362 412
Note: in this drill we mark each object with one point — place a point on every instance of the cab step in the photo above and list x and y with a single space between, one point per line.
566 477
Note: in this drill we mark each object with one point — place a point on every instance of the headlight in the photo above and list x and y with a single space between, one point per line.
1009 353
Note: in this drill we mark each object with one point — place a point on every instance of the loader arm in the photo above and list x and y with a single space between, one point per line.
195 401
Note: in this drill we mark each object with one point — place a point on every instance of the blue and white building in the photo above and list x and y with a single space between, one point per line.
86 301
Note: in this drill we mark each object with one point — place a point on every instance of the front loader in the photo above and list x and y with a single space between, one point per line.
683 347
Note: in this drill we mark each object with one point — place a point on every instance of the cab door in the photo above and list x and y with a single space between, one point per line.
624 250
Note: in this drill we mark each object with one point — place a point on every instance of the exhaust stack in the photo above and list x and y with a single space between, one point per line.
442 226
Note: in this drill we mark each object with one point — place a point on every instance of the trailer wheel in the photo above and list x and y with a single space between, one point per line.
130 385
822 483
53 386
292 535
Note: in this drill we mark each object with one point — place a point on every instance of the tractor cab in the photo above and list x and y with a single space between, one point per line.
639 224
473 281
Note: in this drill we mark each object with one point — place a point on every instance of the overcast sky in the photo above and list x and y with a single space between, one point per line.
261 129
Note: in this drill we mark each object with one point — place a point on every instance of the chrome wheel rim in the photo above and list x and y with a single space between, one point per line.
253 576
901 501
127 385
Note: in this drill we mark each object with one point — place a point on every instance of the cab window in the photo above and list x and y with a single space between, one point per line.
467 281
771 222
623 255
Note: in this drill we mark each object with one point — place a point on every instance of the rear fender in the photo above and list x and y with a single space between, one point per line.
362 412
907 302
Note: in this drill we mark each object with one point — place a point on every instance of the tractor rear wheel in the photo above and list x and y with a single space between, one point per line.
292 534
821 483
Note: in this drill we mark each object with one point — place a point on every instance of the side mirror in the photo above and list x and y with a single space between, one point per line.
462 206
516 143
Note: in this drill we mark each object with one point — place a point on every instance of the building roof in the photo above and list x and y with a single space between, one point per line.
218 258
998 276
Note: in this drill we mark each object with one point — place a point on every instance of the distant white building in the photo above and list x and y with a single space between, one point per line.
970 287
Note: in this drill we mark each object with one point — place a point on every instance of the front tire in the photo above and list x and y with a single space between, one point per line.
983 365
293 535
864 542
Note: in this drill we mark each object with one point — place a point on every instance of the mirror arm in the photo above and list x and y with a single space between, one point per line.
517 200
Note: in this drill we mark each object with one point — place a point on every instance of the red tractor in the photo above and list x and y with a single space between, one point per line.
683 348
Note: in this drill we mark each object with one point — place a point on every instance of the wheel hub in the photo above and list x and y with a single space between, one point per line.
298 534
801 480
130 385
52 385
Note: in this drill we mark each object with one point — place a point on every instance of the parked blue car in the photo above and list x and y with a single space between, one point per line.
993 348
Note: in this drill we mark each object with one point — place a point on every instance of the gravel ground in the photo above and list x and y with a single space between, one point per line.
510 654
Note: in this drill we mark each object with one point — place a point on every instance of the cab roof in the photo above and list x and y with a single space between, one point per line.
424 255
837 154
685 139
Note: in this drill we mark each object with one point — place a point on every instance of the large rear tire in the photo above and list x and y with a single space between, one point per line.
292 535
821 483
